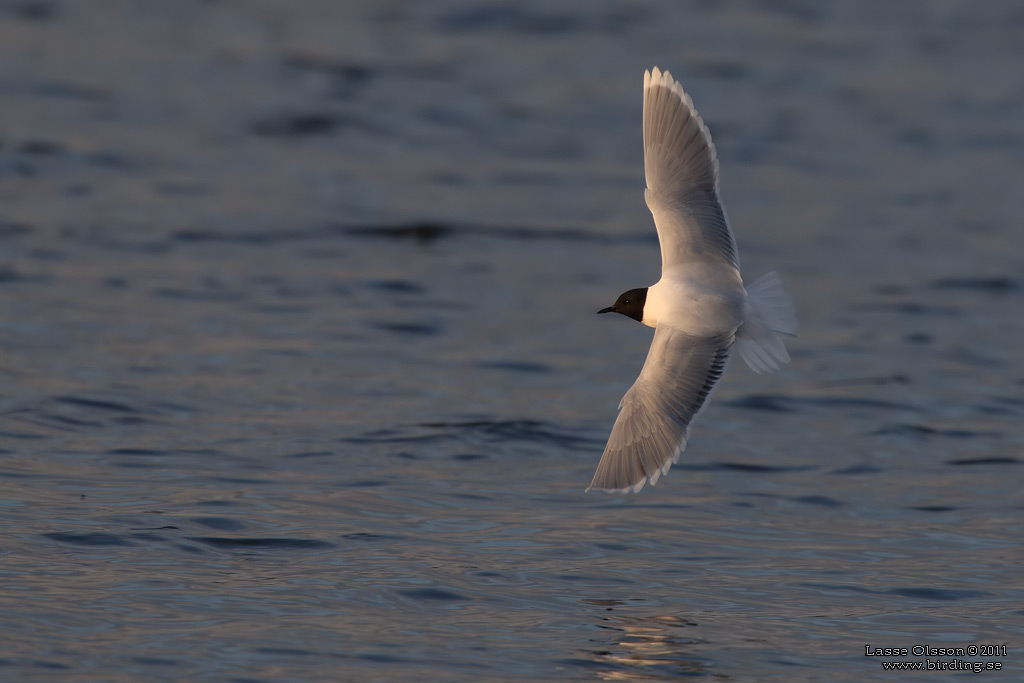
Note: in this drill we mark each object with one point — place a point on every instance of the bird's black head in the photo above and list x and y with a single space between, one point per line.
629 304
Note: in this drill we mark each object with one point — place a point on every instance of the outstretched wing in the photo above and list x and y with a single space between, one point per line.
654 419
682 177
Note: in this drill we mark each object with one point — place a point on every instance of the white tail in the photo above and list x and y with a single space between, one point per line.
769 315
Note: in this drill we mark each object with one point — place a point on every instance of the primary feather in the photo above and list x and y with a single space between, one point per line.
655 414
681 168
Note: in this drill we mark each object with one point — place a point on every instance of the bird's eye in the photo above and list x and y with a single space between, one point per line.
626 301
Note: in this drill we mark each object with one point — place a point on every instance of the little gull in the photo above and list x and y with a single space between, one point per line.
700 309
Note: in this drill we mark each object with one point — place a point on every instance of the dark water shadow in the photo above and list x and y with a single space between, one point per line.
488 431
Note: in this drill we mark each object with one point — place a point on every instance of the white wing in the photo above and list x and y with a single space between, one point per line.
654 419
682 177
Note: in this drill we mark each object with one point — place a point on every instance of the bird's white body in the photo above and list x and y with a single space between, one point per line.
702 299
700 309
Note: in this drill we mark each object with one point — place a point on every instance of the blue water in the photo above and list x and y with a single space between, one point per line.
301 377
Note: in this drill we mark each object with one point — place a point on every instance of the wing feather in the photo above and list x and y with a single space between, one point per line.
655 415
681 167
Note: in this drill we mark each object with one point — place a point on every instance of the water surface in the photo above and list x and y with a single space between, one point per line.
301 377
